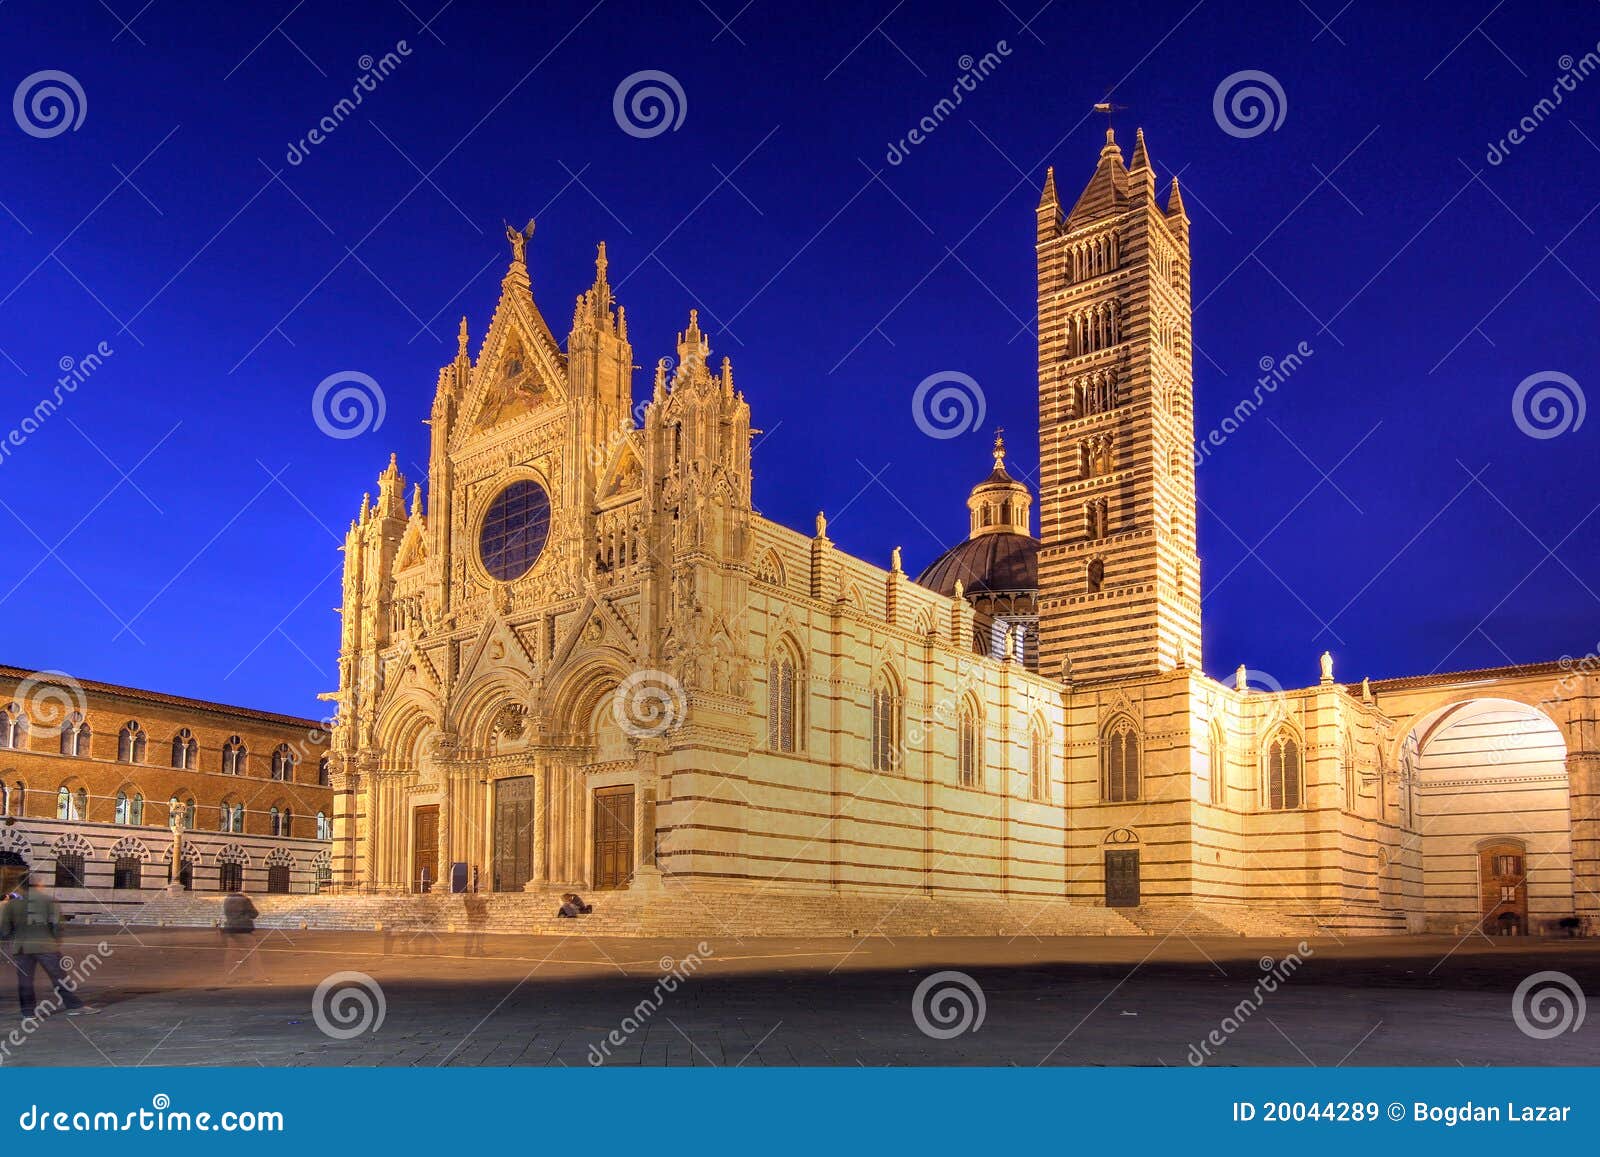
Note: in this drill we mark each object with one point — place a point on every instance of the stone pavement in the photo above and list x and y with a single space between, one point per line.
540 1000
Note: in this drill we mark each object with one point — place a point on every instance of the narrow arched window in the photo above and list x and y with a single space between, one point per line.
1095 576
185 751
75 735
283 763
17 802
13 728
323 777
1285 783
122 807
238 818
969 748
323 831
64 804
233 756
781 704
1038 768
885 726
1119 762
130 743
275 820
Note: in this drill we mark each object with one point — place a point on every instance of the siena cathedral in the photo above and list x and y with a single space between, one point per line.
578 659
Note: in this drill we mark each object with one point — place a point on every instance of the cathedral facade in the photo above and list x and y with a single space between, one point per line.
585 662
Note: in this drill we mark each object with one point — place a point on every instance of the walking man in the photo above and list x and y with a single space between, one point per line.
31 921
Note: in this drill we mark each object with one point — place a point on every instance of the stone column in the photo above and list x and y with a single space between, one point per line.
1583 788
646 873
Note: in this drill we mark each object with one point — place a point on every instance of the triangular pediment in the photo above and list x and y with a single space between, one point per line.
521 371
496 649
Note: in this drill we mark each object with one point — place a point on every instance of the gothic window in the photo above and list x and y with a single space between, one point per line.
1096 518
275 820
514 530
130 743
1214 788
72 805
782 703
233 755
283 763
885 724
230 816
75 735
1037 768
13 728
969 747
1285 783
185 751
17 799
1095 576
130 808
1119 762
323 778
324 828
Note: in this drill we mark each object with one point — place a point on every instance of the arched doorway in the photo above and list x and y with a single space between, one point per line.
1484 794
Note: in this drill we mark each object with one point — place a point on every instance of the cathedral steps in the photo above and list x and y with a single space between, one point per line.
675 911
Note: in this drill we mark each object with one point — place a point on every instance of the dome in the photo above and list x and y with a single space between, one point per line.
992 563
1000 556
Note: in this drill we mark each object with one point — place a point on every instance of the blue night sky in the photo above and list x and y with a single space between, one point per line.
175 524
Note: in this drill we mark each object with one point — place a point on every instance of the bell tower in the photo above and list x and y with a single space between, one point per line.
1119 585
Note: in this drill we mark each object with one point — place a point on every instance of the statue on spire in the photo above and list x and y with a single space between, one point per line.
519 239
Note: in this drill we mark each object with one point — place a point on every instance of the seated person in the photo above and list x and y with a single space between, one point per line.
572 906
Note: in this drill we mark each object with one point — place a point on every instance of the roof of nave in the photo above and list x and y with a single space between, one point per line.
1481 674
137 694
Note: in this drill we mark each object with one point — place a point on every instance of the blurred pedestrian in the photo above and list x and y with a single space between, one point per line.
31 921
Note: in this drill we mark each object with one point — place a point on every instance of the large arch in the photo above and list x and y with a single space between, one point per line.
1482 783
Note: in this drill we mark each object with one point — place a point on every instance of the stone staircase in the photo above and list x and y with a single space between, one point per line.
667 911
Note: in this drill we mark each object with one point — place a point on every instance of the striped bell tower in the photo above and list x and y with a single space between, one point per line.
1119 580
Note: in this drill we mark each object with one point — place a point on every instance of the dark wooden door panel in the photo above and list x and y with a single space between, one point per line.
513 833
613 836
1122 879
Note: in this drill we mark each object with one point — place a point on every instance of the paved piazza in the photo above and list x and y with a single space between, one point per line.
556 1001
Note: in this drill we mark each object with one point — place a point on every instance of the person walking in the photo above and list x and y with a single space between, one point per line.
31 921
240 949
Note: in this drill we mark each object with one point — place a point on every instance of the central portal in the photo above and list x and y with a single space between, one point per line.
613 836
513 833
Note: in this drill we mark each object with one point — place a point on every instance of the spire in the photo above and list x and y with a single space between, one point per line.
1140 167
461 339
1175 202
1047 195
1000 450
1107 190
693 348
416 500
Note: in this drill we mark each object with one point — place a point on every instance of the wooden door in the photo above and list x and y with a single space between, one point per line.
613 836
513 833
1502 872
1122 879
425 848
